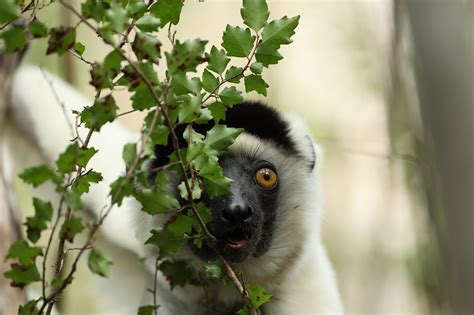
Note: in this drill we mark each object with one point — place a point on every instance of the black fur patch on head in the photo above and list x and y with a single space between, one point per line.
256 118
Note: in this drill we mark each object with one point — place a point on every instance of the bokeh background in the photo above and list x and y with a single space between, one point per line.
387 89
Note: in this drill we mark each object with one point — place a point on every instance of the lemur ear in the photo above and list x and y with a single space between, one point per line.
305 145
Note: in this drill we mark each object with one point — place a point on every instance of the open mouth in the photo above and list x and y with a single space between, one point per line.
236 239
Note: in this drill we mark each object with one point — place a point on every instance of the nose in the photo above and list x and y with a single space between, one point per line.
237 213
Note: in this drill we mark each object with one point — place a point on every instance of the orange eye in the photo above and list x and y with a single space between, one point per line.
266 178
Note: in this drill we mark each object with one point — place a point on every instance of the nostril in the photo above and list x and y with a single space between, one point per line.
237 213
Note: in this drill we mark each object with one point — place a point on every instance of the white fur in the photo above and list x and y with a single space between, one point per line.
295 270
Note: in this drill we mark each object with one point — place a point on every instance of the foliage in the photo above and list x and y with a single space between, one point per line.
181 97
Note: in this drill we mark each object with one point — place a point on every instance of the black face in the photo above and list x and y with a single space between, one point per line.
243 222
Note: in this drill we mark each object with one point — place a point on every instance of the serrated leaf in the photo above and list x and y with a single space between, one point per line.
38 175
238 42
255 13
25 254
255 83
103 111
181 226
136 8
221 137
231 96
256 67
99 263
117 17
94 9
37 29
129 153
209 82
61 39
168 11
146 310
218 60
73 200
29 308
14 38
39 222
71 228
190 109
191 136
149 72
176 272
166 241
148 23
83 182
23 275
146 47
74 155
195 192
234 74
186 56
181 84
215 186
79 48
120 189
143 98
218 111
213 270
155 201
9 11
258 295
275 34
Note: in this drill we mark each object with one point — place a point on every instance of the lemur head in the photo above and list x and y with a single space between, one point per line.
271 165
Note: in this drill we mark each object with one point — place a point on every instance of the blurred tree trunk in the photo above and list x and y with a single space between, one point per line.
444 52
10 228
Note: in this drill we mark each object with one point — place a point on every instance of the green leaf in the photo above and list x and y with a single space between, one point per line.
238 42
166 241
195 192
9 11
136 8
186 56
168 11
39 222
143 98
103 111
204 117
181 84
129 153
234 74
73 200
99 263
231 96
71 228
146 310
79 48
94 9
120 189
37 29
209 82
147 47
242 311
25 254
29 308
38 175
255 83
258 295
148 23
23 275
218 111
191 136
215 186
83 182
61 39
14 38
149 72
213 269
74 155
221 137
181 225
256 67
218 60
176 272
255 13
190 109
117 17
275 34
156 201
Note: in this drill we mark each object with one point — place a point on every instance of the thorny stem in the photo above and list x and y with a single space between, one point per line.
162 108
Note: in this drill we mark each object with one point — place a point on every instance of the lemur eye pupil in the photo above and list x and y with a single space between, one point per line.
266 178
